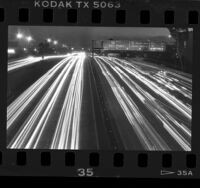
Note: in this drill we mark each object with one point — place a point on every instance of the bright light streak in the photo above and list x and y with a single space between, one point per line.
30 60
73 100
135 91
180 132
143 129
32 130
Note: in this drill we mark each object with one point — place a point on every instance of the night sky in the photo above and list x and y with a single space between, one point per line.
82 36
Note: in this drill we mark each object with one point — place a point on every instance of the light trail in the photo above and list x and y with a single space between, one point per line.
180 132
30 133
67 130
16 108
143 129
142 76
30 60
52 106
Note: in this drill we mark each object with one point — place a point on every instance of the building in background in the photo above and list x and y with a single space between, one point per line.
130 45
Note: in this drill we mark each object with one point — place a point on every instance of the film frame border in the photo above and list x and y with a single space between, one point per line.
87 163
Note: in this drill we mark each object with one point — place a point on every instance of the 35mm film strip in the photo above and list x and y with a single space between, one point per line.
99 88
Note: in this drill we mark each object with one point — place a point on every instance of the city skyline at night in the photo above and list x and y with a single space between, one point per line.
82 36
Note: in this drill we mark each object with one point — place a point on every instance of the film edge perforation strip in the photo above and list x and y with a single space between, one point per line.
96 16
95 159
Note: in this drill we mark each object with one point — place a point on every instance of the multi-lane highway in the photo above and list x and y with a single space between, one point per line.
101 103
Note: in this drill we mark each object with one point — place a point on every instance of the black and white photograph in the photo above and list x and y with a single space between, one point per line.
99 88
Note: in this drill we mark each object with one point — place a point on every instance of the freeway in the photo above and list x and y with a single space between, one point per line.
102 103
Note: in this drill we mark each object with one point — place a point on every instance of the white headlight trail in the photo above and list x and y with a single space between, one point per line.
17 106
134 86
67 132
30 131
149 138
29 61
177 130
138 74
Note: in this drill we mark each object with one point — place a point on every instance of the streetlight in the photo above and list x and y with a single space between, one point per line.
19 35
29 38
72 48
55 42
49 40
169 36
